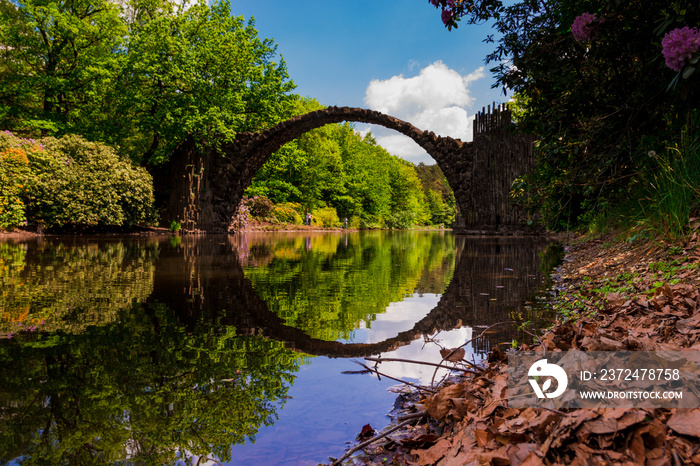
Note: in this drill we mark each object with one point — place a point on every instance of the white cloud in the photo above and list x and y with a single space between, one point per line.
435 100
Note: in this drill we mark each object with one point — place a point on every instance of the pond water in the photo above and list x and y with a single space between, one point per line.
234 349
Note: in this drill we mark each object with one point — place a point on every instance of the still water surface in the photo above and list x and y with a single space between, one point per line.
231 349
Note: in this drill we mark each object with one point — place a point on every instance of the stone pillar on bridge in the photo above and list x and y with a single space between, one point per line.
201 188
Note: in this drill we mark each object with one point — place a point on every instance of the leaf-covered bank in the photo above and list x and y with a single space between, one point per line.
612 295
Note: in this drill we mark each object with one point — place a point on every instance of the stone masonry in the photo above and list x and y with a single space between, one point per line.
202 188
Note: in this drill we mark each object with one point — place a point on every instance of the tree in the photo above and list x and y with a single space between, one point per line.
142 75
198 71
439 195
593 89
56 59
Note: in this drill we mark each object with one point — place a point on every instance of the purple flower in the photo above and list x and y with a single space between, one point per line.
435 3
679 45
447 16
581 27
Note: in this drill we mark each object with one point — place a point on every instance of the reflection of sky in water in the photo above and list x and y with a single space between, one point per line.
402 316
321 395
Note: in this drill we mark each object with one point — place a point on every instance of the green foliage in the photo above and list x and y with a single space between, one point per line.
597 103
70 181
671 193
141 76
287 213
175 226
325 284
326 217
95 284
438 194
89 368
335 167
197 70
56 61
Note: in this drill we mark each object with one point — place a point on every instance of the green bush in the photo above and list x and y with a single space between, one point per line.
260 207
672 191
71 181
14 177
401 220
285 214
327 217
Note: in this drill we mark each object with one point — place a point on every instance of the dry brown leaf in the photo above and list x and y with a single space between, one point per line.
495 457
453 355
518 453
685 422
433 454
483 437
615 420
440 404
421 441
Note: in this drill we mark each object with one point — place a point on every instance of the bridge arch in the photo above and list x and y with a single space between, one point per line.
259 147
249 152
201 188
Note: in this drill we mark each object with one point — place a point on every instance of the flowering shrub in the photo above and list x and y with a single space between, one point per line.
70 181
259 207
581 27
447 16
679 45
240 220
14 178
288 213
326 217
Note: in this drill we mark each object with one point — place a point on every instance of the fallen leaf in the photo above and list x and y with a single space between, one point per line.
518 453
686 422
366 432
421 441
483 437
616 420
433 454
440 404
452 355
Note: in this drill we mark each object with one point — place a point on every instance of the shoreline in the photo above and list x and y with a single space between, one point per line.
619 296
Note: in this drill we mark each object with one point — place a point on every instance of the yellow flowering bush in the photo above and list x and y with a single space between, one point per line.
70 181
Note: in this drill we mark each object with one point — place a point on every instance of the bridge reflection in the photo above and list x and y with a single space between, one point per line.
493 278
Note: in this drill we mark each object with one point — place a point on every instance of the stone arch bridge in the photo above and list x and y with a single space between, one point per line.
202 189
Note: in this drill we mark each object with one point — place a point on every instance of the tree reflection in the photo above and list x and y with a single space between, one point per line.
152 350
116 375
327 289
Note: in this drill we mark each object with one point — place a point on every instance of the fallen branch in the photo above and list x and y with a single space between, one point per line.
432 380
373 439
421 362
380 374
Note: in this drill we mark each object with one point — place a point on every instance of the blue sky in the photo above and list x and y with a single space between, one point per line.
389 55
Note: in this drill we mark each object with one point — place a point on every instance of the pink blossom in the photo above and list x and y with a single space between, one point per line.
581 27
679 45
447 16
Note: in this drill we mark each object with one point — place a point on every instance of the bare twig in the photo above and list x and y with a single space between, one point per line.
372 440
486 330
432 380
395 379
421 362
412 416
